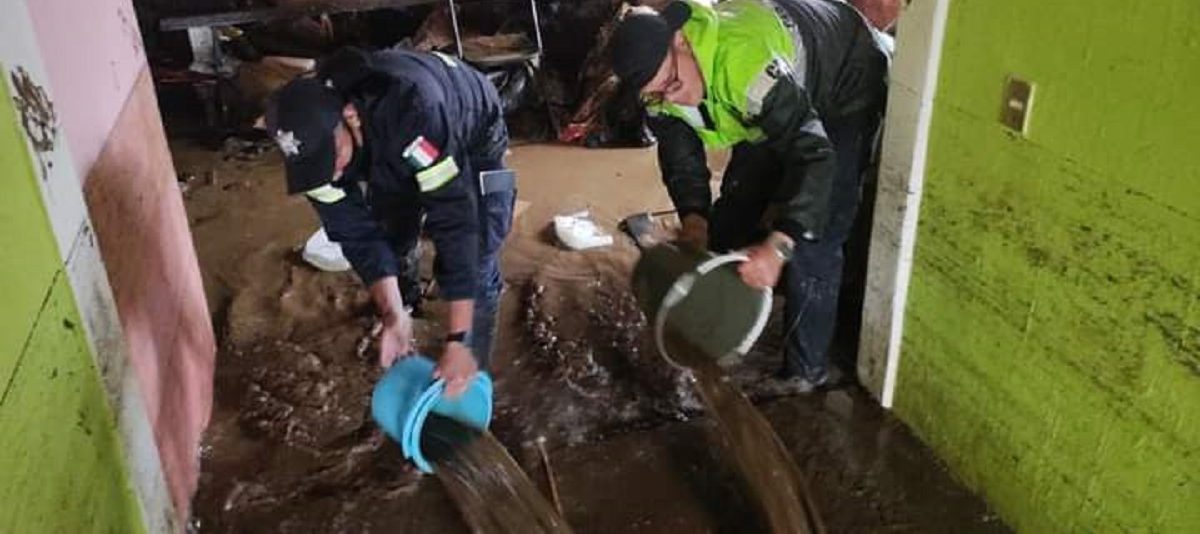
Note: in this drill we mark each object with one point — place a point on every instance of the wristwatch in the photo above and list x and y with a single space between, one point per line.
457 337
783 248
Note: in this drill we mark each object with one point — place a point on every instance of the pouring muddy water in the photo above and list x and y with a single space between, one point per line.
448 437
702 315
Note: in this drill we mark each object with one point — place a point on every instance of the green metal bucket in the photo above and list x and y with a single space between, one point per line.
701 299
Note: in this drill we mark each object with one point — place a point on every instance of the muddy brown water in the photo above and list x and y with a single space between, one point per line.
291 447
765 467
486 484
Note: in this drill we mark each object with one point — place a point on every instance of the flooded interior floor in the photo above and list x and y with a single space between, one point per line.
291 446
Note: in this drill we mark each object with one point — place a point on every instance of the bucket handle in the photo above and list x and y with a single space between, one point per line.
680 289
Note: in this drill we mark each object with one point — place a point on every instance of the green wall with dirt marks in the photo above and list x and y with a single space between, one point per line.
60 457
1051 349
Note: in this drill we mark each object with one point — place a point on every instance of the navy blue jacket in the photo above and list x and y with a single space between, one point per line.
430 125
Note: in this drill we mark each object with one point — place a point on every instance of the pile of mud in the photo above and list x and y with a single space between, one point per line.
582 339
297 398
297 365
292 447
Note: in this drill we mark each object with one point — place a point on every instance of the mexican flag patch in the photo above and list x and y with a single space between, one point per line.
421 153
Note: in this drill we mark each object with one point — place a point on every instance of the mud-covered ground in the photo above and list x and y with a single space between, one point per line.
292 448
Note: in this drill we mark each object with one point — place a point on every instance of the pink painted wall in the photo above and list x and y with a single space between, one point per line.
143 233
92 50
106 103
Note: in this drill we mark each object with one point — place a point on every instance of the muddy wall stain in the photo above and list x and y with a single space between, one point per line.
38 118
1050 348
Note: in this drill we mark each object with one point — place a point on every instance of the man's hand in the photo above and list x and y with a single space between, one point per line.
457 366
762 270
395 339
693 234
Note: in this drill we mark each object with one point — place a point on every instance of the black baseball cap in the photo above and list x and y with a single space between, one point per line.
302 117
641 40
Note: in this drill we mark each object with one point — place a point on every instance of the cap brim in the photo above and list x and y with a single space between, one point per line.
311 171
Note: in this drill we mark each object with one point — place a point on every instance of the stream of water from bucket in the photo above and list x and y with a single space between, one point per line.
763 462
491 490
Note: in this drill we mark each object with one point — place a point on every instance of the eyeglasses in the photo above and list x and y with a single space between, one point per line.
670 84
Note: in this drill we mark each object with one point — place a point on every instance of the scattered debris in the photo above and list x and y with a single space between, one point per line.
578 232
650 228
541 445
185 181
246 149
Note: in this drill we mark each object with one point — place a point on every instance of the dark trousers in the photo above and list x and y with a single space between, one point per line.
812 278
495 221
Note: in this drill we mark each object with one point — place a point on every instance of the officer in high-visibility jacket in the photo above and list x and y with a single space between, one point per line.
387 145
797 88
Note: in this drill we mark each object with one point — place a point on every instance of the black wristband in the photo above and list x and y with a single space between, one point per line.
459 337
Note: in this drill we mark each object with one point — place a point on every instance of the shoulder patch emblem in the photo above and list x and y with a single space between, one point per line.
778 68
288 144
421 153
762 84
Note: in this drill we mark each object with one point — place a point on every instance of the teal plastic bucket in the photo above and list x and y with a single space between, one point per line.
408 393
700 297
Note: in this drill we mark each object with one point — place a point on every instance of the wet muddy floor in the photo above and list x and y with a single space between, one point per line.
292 448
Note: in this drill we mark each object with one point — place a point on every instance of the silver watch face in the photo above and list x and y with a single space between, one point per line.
784 249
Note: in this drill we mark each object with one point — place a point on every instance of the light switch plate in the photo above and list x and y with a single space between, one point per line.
1017 104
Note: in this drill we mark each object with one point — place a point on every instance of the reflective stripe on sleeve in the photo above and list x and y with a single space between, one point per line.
436 176
326 194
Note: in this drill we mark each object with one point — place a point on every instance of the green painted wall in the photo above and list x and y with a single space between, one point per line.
60 457
1052 344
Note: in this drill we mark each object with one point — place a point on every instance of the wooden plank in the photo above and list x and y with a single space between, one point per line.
230 18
